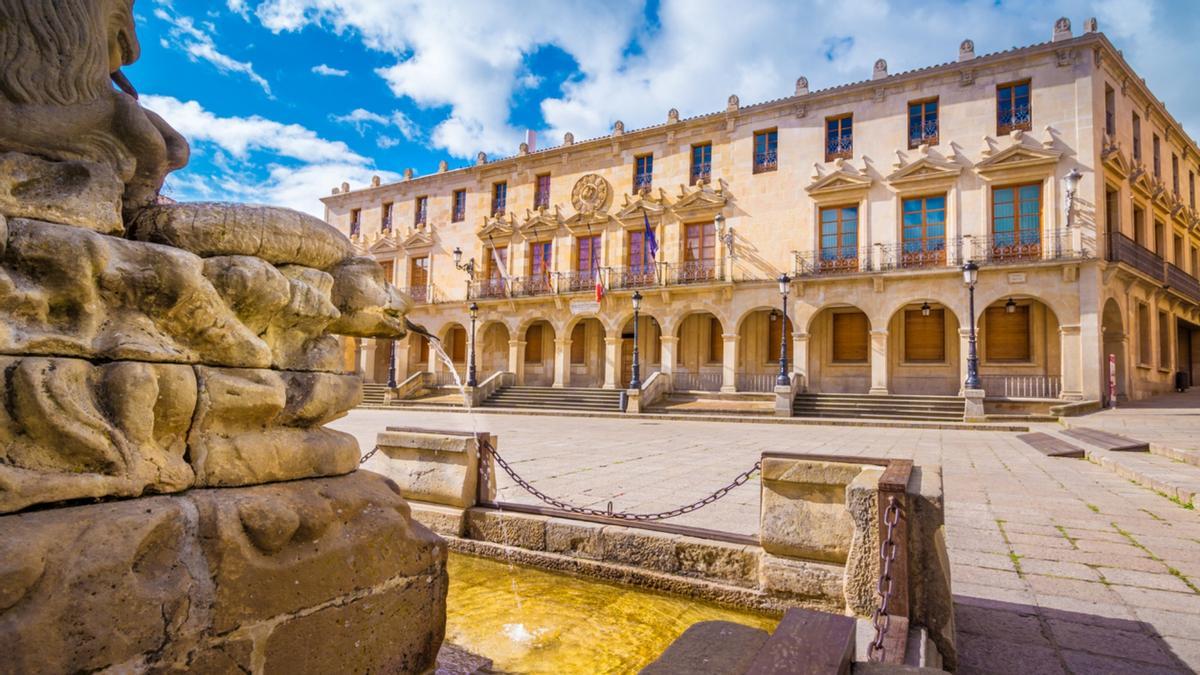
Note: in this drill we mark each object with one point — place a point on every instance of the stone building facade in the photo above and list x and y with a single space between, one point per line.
870 196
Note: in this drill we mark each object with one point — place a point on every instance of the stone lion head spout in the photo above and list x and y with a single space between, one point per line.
57 99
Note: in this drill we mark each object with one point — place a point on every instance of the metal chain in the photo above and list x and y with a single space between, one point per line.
369 455
741 479
887 553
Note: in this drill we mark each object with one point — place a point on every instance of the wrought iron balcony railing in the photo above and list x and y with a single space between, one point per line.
541 200
487 289
578 280
920 133
766 161
841 147
421 295
1183 283
642 181
1008 119
1122 249
634 276
830 261
701 171
914 254
692 272
536 284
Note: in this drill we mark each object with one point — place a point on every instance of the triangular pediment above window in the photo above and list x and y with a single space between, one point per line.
417 240
1139 180
582 224
542 220
1114 160
653 205
1017 158
497 226
842 182
699 200
924 171
386 243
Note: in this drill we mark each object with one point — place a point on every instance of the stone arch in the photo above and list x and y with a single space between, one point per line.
588 350
1035 369
537 358
649 338
1115 341
924 358
760 335
491 348
700 350
838 363
991 296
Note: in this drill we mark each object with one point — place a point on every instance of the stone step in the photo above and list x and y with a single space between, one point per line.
1107 441
904 405
1176 480
882 397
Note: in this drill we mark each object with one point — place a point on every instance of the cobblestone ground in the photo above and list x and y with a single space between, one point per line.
1058 565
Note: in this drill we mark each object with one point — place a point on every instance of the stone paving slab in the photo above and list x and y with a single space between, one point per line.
1052 560
1177 480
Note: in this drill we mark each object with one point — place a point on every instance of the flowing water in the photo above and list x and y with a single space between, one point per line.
567 624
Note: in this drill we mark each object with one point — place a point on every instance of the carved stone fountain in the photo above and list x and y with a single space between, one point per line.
169 496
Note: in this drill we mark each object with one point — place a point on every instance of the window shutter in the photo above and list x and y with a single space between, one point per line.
850 342
924 336
458 344
578 346
533 344
1006 334
716 343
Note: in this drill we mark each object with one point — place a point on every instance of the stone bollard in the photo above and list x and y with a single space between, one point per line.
438 473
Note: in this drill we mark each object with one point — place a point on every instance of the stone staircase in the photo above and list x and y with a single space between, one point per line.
553 398
373 395
880 407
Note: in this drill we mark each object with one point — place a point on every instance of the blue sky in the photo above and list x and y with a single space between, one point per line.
283 99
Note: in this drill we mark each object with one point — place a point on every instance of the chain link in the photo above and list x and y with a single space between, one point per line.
369 455
741 479
887 553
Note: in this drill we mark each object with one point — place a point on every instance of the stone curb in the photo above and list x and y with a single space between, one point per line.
1112 461
741 419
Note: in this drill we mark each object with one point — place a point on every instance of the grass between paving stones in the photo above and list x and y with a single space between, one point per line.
1014 557
1153 515
1063 531
1170 570
1178 502
1094 508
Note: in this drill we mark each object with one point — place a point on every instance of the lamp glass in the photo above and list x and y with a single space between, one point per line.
925 309
637 301
1071 180
719 222
783 284
474 309
1010 306
457 255
970 273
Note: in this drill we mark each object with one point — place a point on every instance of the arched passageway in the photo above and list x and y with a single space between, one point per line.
701 350
760 336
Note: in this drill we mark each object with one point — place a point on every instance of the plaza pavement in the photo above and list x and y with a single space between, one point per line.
1058 565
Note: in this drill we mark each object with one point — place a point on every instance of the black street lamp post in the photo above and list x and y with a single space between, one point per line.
391 383
474 310
783 380
970 276
635 379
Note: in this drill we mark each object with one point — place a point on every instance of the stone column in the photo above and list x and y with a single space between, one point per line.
403 352
435 364
670 348
800 358
729 363
879 362
612 358
366 359
1072 371
516 359
562 361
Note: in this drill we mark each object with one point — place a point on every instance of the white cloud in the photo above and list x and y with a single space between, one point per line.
328 71
200 46
238 7
386 142
361 119
472 57
260 160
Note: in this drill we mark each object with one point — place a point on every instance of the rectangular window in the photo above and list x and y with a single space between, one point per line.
1110 111
533 344
418 279
587 256
355 222
1192 189
1016 222
925 336
459 210
638 258
1137 138
420 210
839 137
766 150
495 266
541 192
850 340
1175 174
499 198
1159 242
922 123
1164 340
1139 226
1112 210
839 238
540 265
924 232
716 341
643 172
1196 262
1144 345
699 252
385 217
1177 259
1156 158
1006 334
1013 109
701 163
578 344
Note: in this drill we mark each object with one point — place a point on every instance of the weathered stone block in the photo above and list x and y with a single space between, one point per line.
577 538
641 548
445 520
256 426
932 603
70 429
512 529
718 560
441 467
72 192
862 562
710 647
817 581
804 508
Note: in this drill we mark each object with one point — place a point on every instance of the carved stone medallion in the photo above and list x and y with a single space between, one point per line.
591 194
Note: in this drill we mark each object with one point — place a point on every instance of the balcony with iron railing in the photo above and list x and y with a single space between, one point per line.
701 171
643 181
541 200
766 161
532 285
1122 249
1010 119
634 276
841 147
692 272
487 289
1183 283
422 295
922 133
913 254
832 261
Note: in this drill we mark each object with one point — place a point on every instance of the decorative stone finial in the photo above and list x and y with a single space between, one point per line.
335 190
1090 25
618 128
523 149
801 85
568 138
733 103
481 158
966 50
345 187
880 70
374 181
1062 29
443 166
408 174
672 116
